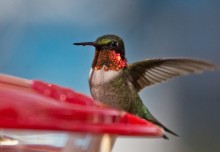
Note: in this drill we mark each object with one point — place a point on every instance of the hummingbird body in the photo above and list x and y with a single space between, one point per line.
113 88
114 82
109 83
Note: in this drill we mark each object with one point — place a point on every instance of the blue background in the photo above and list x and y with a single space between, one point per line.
36 43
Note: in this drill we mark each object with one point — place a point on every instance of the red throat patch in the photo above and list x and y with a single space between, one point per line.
110 59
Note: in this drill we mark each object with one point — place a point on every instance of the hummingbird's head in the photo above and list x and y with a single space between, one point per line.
111 42
110 51
107 42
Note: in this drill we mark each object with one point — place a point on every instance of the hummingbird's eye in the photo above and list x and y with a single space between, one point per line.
114 44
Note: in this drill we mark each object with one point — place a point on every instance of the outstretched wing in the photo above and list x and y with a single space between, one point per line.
153 71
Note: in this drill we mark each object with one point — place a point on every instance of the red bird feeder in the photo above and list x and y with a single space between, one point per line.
36 116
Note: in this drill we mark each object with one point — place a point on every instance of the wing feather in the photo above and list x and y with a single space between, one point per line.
153 71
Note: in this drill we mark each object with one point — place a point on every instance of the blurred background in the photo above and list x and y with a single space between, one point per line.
36 43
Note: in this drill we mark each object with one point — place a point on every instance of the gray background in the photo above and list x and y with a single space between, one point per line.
36 39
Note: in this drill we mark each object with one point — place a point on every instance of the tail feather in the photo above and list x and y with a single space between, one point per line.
165 137
166 129
155 121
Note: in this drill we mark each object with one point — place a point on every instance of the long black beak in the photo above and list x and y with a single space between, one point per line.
86 43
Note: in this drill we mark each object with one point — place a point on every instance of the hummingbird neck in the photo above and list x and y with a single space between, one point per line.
109 59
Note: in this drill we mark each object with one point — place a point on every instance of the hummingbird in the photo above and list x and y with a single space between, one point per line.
116 83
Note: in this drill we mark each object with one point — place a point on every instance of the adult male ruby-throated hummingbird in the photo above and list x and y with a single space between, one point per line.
116 83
